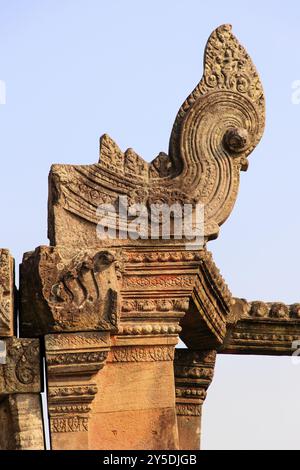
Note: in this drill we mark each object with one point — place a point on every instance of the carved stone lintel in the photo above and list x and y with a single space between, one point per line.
7 293
72 360
193 374
20 372
257 327
67 290
163 288
161 291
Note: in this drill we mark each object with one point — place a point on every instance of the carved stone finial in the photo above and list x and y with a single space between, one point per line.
215 130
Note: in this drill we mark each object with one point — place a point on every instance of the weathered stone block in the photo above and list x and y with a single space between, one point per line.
67 290
263 328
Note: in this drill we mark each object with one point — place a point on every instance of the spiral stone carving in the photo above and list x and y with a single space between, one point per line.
217 127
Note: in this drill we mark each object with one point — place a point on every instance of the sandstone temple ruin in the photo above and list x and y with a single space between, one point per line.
105 314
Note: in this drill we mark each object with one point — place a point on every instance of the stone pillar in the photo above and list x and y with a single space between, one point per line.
125 308
21 425
73 360
193 374
7 294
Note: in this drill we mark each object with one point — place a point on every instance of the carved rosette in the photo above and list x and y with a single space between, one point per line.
67 290
7 293
194 372
72 360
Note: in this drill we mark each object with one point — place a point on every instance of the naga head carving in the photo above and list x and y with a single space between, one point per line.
217 127
215 130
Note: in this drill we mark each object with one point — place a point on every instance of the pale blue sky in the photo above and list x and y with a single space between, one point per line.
75 69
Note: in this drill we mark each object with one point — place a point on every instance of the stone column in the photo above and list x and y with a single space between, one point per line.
73 360
21 425
124 307
7 294
194 372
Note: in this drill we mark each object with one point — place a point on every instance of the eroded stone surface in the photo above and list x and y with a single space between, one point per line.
21 371
263 328
115 308
194 372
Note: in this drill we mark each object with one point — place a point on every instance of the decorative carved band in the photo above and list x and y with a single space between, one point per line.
156 305
149 329
26 421
162 281
77 358
142 354
72 391
153 256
